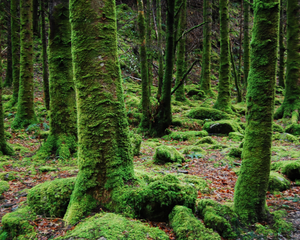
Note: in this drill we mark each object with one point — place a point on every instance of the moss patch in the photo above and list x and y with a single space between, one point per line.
191 149
165 154
208 140
235 152
8 176
277 182
285 137
47 169
136 141
208 113
290 168
293 129
236 136
277 128
4 186
183 136
222 127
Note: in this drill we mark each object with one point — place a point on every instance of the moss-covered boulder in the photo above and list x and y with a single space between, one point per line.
293 129
235 152
285 137
206 140
18 223
277 182
8 176
290 168
187 226
136 141
193 149
183 136
222 127
207 113
277 128
165 154
113 226
199 94
4 186
51 198
236 136
218 217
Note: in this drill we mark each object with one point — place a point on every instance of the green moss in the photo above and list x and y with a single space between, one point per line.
165 154
17 223
290 168
195 149
136 141
235 152
187 226
236 136
207 113
293 129
277 182
277 128
187 123
51 198
223 127
47 169
197 182
8 176
208 140
4 186
285 137
183 136
113 226
196 94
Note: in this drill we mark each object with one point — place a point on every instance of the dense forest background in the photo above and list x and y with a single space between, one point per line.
152 119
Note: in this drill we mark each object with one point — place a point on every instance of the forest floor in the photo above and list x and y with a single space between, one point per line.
216 167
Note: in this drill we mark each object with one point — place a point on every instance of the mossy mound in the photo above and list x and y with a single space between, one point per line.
113 226
136 141
187 226
236 136
8 176
277 182
206 140
197 182
195 149
17 223
285 137
239 108
156 199
222 127
277 128
293 129
218 217
47 169
51 198
187 123
4 186
132 101
196 94
207 113
290 168
165 154
235 152
183 136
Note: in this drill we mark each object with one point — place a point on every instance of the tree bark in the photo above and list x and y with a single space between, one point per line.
9 70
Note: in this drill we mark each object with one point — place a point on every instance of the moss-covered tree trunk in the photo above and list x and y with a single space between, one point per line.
15 43
104 151
291 102
163 117
281 47
224 101
252 183
159 47
9 70
149 43
205 83
181 50
63 132
246 42
145 122
45 56
35 16
25 114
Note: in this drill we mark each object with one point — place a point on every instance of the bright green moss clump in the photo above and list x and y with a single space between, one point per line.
235 152
114 226
293 129
187 226
195 149
183 136
8 176
4 186
285 137
136 141
207 140
207 113
51 198
223 127
277 182
165 154
290 168
277 128
236 136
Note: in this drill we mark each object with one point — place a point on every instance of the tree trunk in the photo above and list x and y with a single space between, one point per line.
246 42
35 17
9 70
159 46
104 152
252 183
25 114
149 43
281 48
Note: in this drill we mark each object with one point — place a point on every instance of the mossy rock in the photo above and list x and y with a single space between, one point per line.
236 136
285 137
165 154
8 176
136 141
290 168
196 94
47 169
195 149
18 223
207 113
51 198
187 123
277 128
235 152
113 226
218 217
156 199
277 182
187 226
206 140
293 129
222 127
183 136
4 186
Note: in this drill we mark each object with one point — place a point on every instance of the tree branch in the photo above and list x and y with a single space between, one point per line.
191 29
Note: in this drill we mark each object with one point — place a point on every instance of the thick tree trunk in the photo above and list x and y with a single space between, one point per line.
252 183
104 151
9 70
25 114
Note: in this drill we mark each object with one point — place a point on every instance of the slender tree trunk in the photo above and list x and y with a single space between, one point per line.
9 70
15 42
181 50
35 17
45 57
104 153
159 46
145 123
236 79
281 47
246 41
25 114
149 43
224 101
241 43
252 183
291 102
